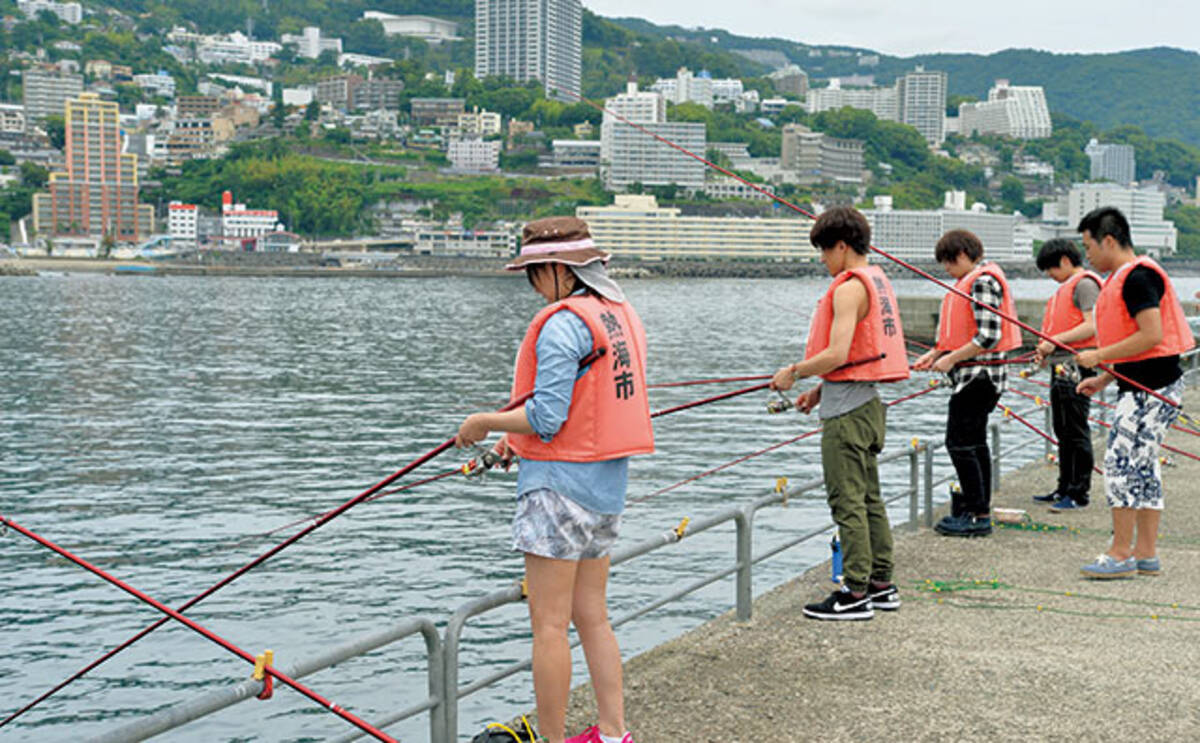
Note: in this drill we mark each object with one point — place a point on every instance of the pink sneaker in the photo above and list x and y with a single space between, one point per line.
592 735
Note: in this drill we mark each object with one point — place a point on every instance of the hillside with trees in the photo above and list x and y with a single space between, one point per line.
1156 89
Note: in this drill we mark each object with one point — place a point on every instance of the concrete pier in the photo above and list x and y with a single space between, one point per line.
1015 646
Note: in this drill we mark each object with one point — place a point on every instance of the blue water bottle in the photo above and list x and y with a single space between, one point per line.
835 546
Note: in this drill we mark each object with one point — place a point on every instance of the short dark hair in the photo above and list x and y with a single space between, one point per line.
1052 251
841 223
1106 221
955 242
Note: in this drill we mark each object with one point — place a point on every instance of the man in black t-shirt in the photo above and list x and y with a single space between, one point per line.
1140 331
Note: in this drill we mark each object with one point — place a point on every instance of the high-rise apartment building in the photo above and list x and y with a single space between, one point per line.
47 91
921 97
638 157
1112 162
97 196
638 107
1018 111
531 40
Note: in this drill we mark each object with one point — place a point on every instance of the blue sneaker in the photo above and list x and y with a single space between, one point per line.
1149 566
1107 567
1047 498
1066 503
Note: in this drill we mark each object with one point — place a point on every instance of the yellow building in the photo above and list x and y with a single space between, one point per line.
97 195
636 226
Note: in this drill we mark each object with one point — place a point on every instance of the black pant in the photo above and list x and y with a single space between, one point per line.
966 442
1070 416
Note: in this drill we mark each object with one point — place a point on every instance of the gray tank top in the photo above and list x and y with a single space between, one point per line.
839 398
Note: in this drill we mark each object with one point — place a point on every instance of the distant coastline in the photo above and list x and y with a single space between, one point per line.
311 265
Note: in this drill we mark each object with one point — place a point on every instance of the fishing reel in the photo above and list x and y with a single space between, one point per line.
782 405
484 460
1069 371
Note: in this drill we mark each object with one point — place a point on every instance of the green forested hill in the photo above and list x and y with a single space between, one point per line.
1156 89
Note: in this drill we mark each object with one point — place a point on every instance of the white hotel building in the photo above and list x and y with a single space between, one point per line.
1018 111
1142 207
882 102
912 235
636 226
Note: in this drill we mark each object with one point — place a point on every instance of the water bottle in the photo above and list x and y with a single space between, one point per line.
835 546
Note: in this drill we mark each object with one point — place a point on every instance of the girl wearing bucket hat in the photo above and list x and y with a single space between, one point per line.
574 437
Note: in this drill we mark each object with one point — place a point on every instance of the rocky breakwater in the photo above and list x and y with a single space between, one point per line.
10 268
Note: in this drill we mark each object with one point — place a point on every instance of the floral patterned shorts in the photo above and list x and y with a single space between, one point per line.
552 525
1132 473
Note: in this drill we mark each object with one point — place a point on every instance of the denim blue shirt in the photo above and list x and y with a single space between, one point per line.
597 486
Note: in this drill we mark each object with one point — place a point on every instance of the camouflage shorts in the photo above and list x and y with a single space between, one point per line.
551 525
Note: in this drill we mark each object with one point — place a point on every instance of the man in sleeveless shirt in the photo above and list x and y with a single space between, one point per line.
1068 320
855 342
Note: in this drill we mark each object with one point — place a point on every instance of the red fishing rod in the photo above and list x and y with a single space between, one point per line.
1010 413
760 452
1108 405
1168 447
718 380
207 634
317 523
923 274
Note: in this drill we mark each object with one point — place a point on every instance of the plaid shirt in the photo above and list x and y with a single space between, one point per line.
987 290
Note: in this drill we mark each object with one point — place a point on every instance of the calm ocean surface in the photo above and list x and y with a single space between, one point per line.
147 423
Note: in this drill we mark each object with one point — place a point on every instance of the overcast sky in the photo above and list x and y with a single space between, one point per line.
909 27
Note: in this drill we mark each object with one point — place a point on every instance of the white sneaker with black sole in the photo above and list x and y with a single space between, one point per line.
841 605
885 599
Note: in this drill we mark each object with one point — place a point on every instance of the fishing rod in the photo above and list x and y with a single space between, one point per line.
923 274
1043 402
474 466
1010 413
324 518
207 634
783 404
716 380
807 434
1110 406
317 523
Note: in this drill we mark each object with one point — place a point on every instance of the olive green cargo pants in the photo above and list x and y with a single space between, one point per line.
850 445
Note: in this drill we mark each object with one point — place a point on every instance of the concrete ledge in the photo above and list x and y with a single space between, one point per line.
1097 661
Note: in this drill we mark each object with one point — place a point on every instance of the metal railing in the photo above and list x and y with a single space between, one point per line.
442 653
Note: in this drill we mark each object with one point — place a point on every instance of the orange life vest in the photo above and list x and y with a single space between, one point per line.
1061 312
1114 323
879 332
956 324
609 415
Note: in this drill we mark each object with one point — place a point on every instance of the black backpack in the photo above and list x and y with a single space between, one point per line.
498 733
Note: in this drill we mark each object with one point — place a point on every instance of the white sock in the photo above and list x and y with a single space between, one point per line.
606 739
